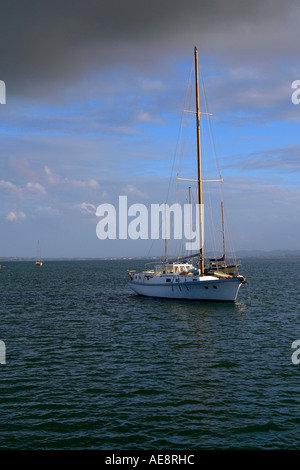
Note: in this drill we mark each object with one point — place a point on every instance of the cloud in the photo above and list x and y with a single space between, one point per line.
19 191
98 35
21 166
54 179
36 187
8 185
283 160
91 183
147 117
93 89
16 216
87 208
130 189
244 93
148 85
15 190
65 183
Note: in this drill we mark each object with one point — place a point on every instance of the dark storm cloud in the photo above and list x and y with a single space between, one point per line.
56 43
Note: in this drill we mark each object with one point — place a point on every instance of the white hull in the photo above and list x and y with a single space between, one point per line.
201 288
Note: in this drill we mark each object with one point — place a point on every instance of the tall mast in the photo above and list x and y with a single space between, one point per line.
190 202
199 161
166 241
223 231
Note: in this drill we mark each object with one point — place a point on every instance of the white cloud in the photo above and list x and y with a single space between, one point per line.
53 179
15 190
66 182
16 216
130 189
87 208
147 117
8 185
36 187
93 184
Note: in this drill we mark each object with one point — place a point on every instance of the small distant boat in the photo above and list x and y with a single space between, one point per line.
38 261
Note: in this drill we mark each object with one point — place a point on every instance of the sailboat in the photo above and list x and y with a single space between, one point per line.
181 279
38 261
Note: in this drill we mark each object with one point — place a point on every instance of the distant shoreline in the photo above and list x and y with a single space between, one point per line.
257 255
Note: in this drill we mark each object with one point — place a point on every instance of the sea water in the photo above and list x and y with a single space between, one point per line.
91 365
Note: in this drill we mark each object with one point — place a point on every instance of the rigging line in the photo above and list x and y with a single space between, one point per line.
210 120
184 144
215 152
181 150
228 231
178 139
211 226
194 201
179 243
151 246
177 150
186 127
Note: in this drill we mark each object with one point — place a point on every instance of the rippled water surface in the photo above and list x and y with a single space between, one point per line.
90 365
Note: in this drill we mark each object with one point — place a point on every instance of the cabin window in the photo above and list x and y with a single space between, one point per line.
168 280
215 287
206 287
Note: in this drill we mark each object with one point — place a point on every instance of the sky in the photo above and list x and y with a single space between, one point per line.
94 97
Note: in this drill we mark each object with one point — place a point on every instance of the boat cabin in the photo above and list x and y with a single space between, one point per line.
174 268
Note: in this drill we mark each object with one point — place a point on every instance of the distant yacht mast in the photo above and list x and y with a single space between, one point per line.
199 161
